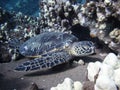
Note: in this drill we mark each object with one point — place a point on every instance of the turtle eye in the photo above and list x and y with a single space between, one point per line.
66 44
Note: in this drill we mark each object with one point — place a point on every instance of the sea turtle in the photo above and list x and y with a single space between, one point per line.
52 48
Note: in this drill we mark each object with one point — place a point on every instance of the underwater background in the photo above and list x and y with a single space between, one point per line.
27 7
91 20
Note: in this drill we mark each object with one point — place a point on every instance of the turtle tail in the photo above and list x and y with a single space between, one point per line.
14 43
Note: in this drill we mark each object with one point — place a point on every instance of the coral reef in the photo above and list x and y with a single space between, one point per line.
16 28
101 17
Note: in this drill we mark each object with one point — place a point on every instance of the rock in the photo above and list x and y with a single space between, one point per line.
68 84
108 73
4 55
101 17
106 70
105 83
102 26
5 58
75 62
114 46
103 54
68 3
13 57
22 78
117 77
118 55
78 85
34 87
14 89
112 60
88 85
60 87
115 34
81 62
53 88
107 1
93 70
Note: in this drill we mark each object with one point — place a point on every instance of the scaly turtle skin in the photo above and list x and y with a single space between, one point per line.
52 48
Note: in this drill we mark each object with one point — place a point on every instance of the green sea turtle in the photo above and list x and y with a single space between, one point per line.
52 48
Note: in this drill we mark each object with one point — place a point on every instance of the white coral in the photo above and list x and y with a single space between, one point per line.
107 1
93 69
78 85
68 84
106 70
117 77
105 83
112 60
109 73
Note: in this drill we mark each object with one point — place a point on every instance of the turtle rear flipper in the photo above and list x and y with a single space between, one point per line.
14 43
46 61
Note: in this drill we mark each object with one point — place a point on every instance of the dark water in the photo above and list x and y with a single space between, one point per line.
28 7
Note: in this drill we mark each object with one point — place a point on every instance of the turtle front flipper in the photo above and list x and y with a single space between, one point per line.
45 61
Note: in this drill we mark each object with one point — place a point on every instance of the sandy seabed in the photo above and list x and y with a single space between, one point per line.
45 79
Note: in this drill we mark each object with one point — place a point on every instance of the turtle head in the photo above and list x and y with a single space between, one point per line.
82 48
